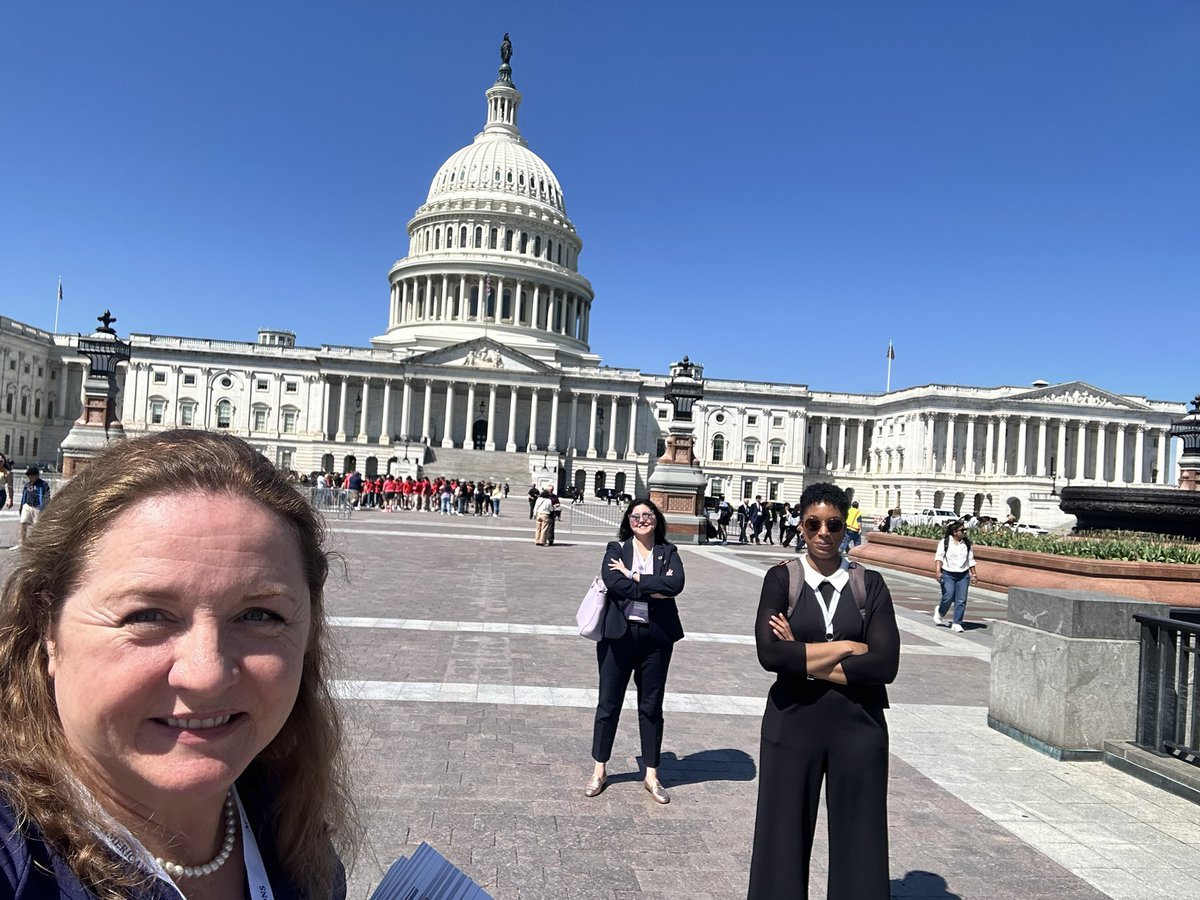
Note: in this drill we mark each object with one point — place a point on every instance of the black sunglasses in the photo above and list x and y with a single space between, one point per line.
814 524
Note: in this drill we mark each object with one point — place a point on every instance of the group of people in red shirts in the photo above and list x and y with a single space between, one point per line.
448 496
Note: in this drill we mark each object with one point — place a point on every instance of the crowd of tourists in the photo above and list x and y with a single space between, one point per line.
449 496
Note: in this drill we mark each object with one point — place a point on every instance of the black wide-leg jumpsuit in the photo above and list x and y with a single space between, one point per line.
816 731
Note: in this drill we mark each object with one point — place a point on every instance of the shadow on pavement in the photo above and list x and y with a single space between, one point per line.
920 885
707 765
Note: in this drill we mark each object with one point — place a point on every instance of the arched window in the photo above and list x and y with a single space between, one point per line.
508 236
258 417
462 236
506 306
549 249
478 236
288 417
437 239
751 451
776 452
224 413
524 242
187 413
494 237
537 245
718 448
449 238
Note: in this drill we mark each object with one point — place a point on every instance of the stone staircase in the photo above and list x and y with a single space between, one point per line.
495 466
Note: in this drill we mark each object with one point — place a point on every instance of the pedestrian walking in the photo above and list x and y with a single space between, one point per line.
542 508
954 568
853 533
34 495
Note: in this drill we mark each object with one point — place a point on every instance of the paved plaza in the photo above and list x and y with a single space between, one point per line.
471 699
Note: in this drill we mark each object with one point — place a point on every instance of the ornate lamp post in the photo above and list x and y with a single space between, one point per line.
1187 430
677 482
98 423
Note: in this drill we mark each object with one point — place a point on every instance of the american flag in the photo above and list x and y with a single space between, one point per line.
891 352
487 286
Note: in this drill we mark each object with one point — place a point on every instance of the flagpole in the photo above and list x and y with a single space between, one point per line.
58 304
891 354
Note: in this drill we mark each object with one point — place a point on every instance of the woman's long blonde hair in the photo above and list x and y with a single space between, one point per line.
303 767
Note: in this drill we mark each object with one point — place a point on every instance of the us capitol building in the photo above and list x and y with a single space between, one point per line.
485 370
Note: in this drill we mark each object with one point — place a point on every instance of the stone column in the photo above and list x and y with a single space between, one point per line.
1139 448
1101 452
573 431
533 416
930 426
989 447
490 443
536 312
448 422
840 458
858 445
1164 438
324 408
469 437
949 462
462 298
341 427
1119 456
801 443
511 445
1002 446
1022 469
427 413
1040 452
385 429
362 419
1060 456
822 443
969 462
631 448
612 429
591 448
405 408
1080 445
552 445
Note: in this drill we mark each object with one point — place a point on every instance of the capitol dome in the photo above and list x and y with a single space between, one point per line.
491 251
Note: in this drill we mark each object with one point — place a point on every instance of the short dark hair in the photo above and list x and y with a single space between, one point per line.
956 525
32 472
824 492
660 521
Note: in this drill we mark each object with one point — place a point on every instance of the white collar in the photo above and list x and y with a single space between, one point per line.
813 578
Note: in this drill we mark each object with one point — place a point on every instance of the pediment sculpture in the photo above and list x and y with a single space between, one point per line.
484 358
1080 398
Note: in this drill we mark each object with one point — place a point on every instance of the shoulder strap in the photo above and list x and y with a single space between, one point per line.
858 587
795 584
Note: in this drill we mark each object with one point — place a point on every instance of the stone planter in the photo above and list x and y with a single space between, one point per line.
1000 569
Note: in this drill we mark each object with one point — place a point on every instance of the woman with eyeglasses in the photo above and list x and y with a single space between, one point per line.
830 636
643 575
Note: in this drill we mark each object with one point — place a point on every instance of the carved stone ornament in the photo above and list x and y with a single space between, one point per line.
484 358
1080 398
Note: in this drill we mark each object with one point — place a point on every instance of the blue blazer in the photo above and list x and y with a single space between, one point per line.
664 615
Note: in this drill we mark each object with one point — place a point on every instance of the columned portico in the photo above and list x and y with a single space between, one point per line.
591 447
448 421
510 445
490 443
385 429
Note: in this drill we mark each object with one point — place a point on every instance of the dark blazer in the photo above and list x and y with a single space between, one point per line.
664 615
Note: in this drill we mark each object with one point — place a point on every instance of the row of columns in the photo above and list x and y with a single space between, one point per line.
451 389
1036 439
446 298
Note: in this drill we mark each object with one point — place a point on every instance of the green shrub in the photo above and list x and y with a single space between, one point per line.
1127 546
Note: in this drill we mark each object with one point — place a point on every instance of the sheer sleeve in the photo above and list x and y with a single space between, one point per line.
774 655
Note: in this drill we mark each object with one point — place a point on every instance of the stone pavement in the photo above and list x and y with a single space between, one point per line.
471 698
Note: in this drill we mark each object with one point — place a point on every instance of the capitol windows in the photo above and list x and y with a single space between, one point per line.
462 236
449 238
437 239
287 423
537 245
508 236
187 414
224 413
751 451
718 448
258 416
50 409
24 406
291 387
260 384
158 409
752 420
189 379
776 452
160 377
506 305
776 421
524 242
37 407
478 237
493 238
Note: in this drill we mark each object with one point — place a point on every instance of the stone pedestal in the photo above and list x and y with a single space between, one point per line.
1065 671
98 424
677 488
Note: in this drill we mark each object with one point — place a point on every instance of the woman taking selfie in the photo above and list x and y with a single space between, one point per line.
829 633
167 727
643 575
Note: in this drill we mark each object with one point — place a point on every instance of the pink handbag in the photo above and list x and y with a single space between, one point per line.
590 616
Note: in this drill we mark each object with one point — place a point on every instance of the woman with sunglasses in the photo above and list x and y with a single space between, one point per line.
832 655
643 575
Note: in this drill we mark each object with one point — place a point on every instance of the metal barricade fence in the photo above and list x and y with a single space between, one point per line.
1168 707
593 516
333 503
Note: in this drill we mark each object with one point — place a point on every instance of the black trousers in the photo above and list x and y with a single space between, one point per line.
638 653
845 745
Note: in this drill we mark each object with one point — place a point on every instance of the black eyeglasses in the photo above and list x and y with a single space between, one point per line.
814 524
635 518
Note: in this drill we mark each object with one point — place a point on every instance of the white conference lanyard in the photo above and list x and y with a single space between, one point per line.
256 872
828 611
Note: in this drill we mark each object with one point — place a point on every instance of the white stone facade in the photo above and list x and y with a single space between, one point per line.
485 370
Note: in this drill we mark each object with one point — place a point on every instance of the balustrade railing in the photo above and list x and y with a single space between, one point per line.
1168 709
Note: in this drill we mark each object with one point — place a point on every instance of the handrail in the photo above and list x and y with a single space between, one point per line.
1168 707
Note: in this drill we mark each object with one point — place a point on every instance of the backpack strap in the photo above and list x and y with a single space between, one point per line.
858 585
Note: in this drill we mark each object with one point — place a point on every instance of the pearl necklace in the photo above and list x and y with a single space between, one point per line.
175 870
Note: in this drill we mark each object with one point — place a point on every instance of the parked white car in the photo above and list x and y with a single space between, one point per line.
933 516
1028 528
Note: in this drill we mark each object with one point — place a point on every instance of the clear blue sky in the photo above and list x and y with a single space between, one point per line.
1008 190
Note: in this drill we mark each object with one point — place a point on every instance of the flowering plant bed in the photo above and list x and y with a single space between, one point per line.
1129 546
1001 568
